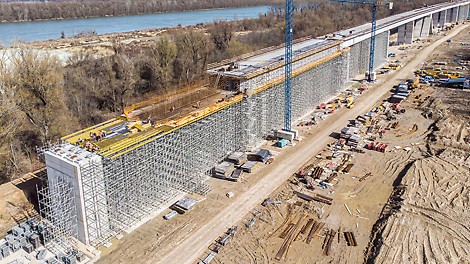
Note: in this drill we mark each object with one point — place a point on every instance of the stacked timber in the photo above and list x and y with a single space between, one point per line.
317 197
350 239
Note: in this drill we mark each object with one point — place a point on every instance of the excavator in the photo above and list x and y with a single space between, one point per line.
350 102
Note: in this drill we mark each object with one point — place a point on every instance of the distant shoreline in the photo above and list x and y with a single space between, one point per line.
138 14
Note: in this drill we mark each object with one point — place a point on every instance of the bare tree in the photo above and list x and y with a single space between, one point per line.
37 83
221 33
163 54
194 48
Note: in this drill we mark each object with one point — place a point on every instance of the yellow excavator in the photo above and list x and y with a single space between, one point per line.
350 102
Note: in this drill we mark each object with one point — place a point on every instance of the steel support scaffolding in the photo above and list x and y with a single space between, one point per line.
318 84
59 216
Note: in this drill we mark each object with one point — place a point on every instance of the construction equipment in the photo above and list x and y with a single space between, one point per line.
288 68
394 66
374 5
437 73
350 102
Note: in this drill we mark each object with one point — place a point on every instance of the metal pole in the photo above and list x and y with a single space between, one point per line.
288 68
372 42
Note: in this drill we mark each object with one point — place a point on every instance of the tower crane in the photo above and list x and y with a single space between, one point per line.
288 67
373 5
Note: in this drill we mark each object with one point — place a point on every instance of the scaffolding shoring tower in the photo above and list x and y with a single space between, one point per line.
58 211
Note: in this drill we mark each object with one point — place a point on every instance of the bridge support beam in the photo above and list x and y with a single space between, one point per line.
427 26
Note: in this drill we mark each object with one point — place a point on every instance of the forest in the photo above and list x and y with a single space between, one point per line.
13 11
42 100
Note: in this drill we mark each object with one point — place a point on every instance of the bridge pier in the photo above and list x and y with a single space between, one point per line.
463 13
435 20
454 14
409 27
442 18
405 33
427 26
447 16
417 28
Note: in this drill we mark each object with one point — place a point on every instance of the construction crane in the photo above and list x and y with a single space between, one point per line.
288 68
373 5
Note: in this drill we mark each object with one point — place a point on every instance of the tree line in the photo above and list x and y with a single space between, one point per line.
32 11
42 100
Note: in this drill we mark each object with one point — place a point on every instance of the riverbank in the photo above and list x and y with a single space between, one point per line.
35 11
55 29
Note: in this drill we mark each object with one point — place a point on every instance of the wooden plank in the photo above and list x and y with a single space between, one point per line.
307 226
312 230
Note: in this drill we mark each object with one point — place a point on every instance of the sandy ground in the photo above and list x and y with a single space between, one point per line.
186 238
426 219
16 203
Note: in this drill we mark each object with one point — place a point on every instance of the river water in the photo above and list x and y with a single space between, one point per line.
42 30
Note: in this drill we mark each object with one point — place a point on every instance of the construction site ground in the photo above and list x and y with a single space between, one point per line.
185 239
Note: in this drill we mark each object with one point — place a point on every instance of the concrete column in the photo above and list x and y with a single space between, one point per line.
426 26
454 14
409 28
463 13
435 20
417 28
401 35
442 18
460 13
467 12
388 43
446 16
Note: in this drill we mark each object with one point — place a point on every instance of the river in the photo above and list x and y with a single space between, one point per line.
43 30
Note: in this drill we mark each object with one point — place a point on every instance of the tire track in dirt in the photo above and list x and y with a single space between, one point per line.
426 224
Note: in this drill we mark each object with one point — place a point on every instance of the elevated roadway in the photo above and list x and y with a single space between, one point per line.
360 33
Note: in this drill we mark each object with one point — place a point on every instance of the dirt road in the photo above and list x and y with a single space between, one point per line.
189 250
